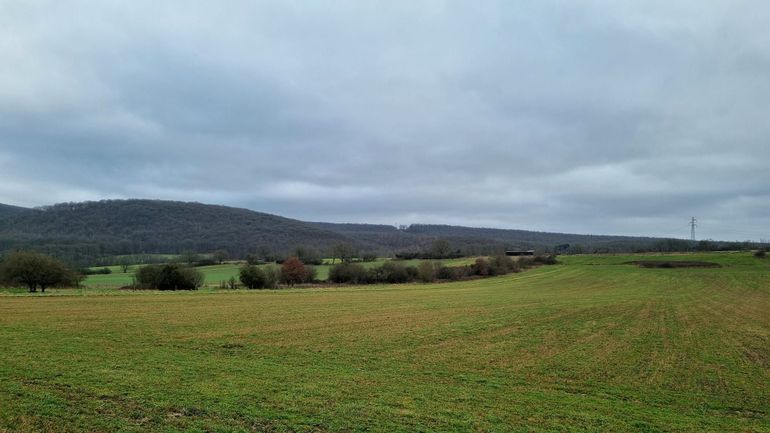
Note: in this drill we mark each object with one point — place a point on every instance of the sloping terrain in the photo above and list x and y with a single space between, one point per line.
7 211
80 232
475 240
533 239
155 226
377 236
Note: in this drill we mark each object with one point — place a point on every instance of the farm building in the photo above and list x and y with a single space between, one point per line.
520 253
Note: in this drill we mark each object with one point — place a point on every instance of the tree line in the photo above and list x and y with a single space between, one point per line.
430 271
38 271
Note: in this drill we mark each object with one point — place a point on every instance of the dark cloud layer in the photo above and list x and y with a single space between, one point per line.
593 116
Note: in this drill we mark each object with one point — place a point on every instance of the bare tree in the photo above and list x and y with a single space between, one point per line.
124 264
343 251
221 255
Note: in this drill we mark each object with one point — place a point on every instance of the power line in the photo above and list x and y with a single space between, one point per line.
693 224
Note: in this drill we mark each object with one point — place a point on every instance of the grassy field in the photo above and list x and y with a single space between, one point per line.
591 345
217 273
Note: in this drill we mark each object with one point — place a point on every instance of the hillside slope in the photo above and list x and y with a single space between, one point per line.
113 227
7 211
376 236
475 240
80 232
533 239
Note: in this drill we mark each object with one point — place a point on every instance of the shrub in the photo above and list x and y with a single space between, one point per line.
293 271
465 271
147 277
515 266
426 272
205 262
177 277
374 275
407 255
272 276
392 272
760 254
252 277
369 257
672 264
500 265
101 271
411 273
448 273
526 262
310 274
396 272
545 260
481 267
172 276
347 273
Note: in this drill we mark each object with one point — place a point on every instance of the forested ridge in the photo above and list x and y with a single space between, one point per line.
116 227
7 211
80 232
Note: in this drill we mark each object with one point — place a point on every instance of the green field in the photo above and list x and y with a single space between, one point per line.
590 345
215 274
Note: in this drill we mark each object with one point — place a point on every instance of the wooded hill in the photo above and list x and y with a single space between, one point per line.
9 211
81 232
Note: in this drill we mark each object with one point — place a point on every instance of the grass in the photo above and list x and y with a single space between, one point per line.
591 345
217 273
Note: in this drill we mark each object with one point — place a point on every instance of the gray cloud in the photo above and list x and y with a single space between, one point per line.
593 116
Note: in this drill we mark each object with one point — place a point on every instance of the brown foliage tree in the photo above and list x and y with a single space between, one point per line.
293 271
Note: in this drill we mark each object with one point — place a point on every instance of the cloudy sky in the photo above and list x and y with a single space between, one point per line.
621 117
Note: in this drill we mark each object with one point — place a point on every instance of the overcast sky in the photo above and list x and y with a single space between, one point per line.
604 117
